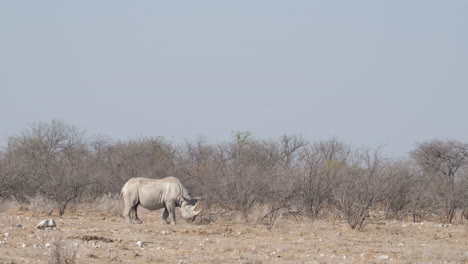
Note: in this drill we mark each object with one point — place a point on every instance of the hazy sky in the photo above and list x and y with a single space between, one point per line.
371 73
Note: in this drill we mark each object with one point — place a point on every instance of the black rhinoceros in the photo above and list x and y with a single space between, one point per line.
155 194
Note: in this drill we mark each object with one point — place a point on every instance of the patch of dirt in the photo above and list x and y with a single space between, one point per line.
95 238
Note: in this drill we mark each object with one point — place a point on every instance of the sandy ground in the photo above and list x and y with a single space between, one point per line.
107 238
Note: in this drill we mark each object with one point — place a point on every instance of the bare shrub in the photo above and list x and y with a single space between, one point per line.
444 165
322 163
10 181
39 204
359 188
52 161
399 189
60 253
7 204
110 204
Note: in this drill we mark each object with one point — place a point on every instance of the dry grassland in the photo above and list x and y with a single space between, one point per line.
96 237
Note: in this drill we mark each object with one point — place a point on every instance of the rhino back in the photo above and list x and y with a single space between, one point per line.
153 194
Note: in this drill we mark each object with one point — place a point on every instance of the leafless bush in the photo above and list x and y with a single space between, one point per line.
109 203
52 160
322 163
54 164
60 253
40 204
7 204
360 186
444 165
399 189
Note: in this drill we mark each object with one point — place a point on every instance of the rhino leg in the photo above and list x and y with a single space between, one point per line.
164 216
171 208
131 203
126 213
137 220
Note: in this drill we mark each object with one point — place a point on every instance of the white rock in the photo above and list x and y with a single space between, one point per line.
7 234
140 243
383 257
48 245
23 245
46 224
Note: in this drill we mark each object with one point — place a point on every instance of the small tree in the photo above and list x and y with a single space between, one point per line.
443 164
322 163
360 186
400 188
52 161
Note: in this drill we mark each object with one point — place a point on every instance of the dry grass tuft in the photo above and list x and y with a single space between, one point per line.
109 204
61 254
40 205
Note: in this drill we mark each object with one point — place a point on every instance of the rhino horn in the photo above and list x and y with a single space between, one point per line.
195 213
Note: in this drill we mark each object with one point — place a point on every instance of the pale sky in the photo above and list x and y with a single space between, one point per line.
372 73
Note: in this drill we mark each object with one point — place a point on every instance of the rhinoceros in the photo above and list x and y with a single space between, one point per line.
154 194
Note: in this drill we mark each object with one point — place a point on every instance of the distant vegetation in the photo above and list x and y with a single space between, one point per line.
57 162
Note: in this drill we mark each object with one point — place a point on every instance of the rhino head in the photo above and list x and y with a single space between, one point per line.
188 209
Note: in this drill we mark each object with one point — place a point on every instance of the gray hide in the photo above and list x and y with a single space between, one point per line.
154 194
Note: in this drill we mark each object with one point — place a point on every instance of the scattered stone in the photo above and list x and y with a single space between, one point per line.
140 243
48 245
48 224
384 257
19 226
23 245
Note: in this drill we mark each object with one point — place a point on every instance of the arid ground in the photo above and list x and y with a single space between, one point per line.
96 237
